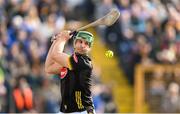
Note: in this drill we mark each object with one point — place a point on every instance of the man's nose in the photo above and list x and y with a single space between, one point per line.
83 45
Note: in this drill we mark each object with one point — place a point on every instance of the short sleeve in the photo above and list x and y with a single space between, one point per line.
78 62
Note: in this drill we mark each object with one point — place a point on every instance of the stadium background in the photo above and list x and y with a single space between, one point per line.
144 75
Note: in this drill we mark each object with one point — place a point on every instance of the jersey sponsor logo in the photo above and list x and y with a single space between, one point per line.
63 72
75 58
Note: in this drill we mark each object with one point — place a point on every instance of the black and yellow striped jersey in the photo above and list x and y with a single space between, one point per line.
76 84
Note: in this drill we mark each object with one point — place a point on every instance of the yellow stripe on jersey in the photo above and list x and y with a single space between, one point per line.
69 64
78 99
76 96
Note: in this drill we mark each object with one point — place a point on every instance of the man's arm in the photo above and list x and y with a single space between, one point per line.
57 52
56 59
51 67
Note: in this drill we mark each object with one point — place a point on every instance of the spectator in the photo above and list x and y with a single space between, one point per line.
156 90
171 100
23 96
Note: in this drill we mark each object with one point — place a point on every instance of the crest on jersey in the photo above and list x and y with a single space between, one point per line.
63 72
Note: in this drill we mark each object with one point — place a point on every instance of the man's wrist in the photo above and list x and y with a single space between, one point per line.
55 38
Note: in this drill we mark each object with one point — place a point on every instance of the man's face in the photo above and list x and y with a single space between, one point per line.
81 46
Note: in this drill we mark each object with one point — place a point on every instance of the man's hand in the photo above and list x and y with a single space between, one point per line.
64 35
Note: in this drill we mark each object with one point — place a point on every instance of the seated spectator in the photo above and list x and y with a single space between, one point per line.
171 100
23 96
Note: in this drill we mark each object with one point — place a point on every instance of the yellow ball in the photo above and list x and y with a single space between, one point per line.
109 54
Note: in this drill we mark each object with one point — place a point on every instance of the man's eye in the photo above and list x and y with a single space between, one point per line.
87 43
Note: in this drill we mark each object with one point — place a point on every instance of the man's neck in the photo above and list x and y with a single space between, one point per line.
85 54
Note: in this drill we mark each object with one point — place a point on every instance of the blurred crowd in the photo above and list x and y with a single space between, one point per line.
148 31
162 88
26 27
